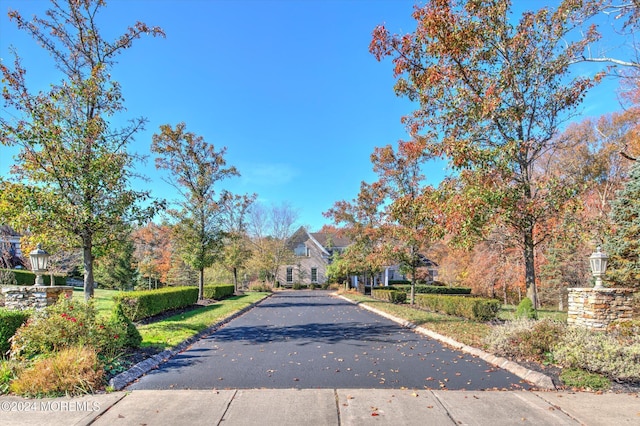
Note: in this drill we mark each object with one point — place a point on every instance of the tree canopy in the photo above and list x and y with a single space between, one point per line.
72 179
492 92
196 168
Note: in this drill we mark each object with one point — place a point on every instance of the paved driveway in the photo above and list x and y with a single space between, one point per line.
309 339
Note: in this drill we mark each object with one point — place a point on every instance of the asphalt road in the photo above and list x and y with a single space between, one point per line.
309 340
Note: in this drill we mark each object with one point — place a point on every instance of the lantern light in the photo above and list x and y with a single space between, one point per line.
598 261
39 262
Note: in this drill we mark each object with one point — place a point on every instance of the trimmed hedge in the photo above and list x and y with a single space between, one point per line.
218 292
398 283
393 296
434 289
10 321
138 305
29 278
475 308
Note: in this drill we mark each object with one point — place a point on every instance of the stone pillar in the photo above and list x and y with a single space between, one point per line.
596 308
36 297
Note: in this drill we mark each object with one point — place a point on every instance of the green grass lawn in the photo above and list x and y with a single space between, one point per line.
173 330
507 312
103 299
465 331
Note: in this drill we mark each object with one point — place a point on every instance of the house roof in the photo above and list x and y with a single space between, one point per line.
425 261
324 241
328 240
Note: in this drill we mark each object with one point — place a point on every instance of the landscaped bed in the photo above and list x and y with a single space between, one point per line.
106 342
533 354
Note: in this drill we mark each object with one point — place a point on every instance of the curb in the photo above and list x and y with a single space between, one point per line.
538 379
123 379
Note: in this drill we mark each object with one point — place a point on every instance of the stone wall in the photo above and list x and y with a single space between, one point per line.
36 297
597 308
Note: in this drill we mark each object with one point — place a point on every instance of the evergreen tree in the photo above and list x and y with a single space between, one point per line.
623 247
116 271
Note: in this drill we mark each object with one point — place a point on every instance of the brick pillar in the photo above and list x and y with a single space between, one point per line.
597 308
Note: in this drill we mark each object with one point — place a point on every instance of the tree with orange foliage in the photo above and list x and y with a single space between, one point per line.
410 225
362 221
492 92
153 251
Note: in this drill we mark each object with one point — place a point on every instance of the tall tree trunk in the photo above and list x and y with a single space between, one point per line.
201 284
413 290
235 279
87 256
529 264
414 268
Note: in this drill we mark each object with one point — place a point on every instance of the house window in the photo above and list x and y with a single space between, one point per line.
314 275
289 275
301 250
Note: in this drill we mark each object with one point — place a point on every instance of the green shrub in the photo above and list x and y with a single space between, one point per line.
260 287
66 324
393 296
137 305
9 370
72 371
433 289
7 277
475 308
132 338
10 321
399 282
298 286
578 378
613 355
525 338
29 278
218 292
525 309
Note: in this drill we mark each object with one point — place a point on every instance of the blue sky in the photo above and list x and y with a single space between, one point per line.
289 87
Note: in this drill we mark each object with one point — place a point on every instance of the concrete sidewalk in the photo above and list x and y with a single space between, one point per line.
324 407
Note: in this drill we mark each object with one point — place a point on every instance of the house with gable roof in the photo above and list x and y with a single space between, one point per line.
313 252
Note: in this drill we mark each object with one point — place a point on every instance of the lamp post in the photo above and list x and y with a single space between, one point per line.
39 260
598 261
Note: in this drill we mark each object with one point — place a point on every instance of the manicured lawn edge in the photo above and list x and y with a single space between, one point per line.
120 381
538 379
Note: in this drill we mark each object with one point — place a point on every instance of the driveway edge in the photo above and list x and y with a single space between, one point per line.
120 381
538 379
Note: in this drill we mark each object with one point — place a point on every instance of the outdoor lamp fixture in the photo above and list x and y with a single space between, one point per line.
39 260
598 262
